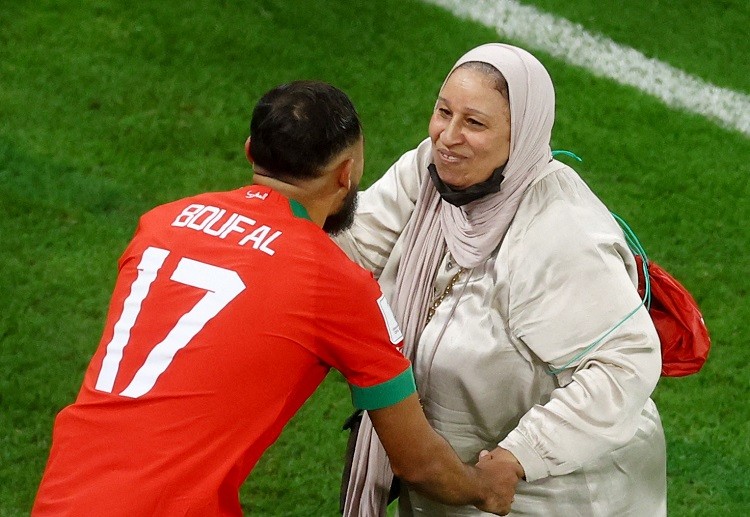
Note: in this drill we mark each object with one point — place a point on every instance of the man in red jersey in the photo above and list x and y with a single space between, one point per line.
228 311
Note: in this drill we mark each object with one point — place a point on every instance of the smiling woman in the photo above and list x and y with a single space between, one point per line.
470 128
483 214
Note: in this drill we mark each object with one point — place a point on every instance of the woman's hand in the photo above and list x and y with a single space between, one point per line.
505 471
500 454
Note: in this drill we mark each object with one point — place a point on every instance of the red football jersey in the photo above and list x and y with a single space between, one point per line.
228 311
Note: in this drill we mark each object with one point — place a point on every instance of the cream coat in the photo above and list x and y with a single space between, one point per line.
589 438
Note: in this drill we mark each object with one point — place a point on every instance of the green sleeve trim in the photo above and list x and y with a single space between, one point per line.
298 210
386 393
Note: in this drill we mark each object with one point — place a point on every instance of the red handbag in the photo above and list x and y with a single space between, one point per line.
678 320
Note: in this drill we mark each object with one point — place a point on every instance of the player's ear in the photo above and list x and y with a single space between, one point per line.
248 155
344 171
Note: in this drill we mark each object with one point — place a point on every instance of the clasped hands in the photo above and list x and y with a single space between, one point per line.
503 471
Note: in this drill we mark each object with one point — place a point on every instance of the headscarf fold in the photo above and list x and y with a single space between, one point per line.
470 233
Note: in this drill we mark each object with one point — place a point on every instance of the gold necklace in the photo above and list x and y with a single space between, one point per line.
448 289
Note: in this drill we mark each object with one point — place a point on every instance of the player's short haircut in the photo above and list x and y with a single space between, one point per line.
297 128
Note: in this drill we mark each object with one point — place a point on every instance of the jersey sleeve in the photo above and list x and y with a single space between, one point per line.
358 335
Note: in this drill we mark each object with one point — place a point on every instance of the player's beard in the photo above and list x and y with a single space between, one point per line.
343 219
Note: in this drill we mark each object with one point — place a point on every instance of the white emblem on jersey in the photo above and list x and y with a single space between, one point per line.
250 195
394 331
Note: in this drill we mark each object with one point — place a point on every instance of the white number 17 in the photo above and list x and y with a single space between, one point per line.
221 285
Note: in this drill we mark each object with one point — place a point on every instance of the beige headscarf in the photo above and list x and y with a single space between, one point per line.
471 233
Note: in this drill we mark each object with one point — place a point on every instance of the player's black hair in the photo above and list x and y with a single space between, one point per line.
297 128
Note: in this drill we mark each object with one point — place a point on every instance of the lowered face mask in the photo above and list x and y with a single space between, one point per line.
461 197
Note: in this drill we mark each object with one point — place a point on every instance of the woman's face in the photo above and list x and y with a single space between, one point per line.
469 129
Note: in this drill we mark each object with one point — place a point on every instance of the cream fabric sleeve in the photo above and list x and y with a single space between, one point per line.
383 211
568 287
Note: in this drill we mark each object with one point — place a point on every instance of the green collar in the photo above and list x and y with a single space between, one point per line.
298 210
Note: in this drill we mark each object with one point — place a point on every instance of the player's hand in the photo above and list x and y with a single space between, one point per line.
500 472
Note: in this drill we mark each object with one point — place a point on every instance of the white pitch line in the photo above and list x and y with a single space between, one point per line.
603 57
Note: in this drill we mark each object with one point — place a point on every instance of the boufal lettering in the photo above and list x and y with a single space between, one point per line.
216 222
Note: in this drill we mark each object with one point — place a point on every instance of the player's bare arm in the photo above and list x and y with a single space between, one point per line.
425 461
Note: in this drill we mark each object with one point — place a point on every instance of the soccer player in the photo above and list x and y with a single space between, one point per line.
228 311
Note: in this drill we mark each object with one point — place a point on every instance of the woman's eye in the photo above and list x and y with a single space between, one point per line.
444 111
476 123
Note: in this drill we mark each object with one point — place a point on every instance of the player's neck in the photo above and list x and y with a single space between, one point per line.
307 193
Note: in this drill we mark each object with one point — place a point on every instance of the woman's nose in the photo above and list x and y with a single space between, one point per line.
452 133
